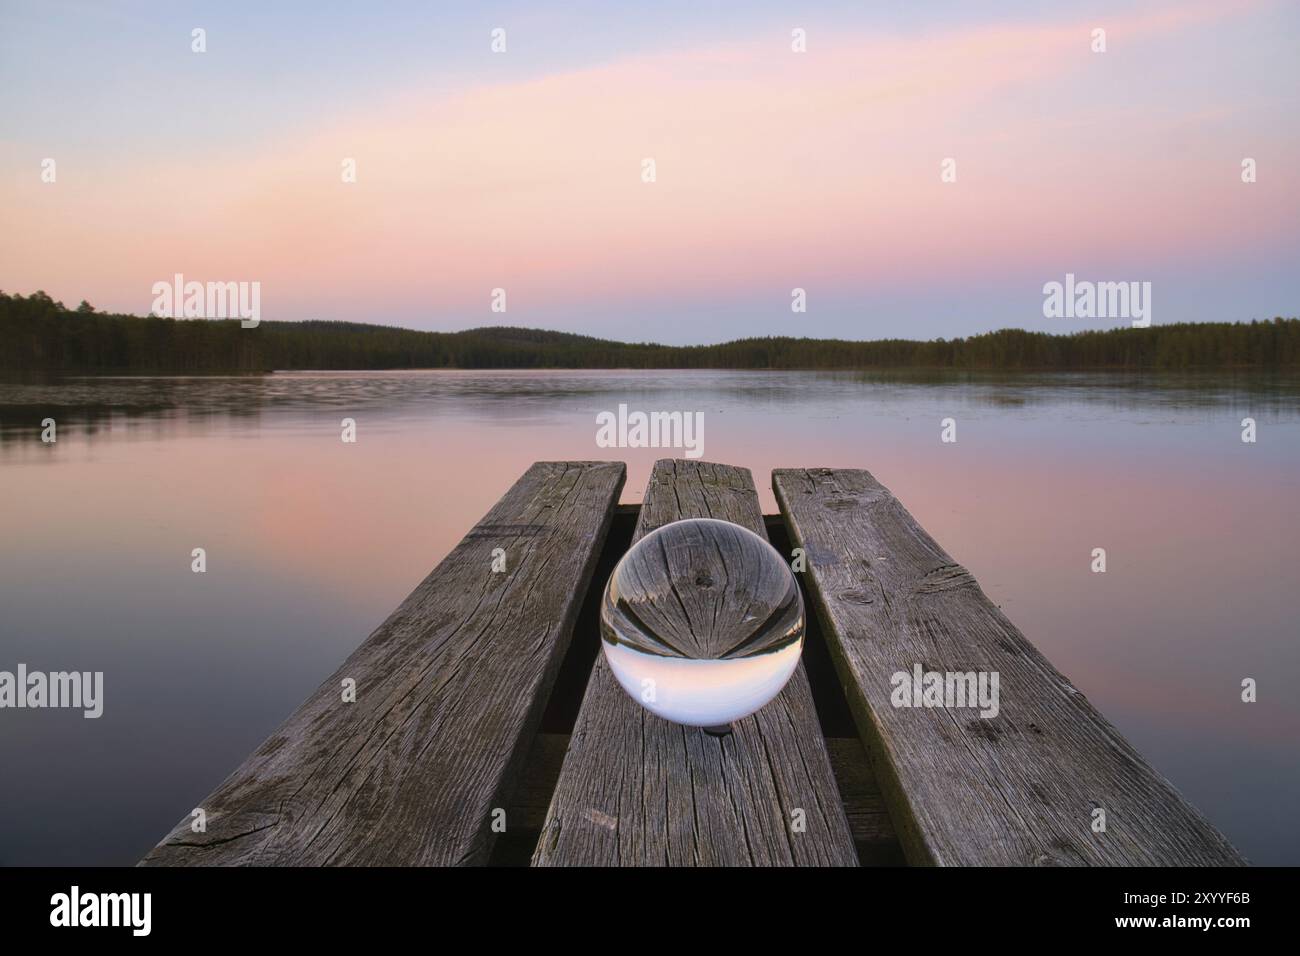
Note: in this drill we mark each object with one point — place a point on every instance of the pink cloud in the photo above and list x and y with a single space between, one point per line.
771 166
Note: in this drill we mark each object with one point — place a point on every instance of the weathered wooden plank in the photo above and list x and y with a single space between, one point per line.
863 804
449 693
636 790
1018 788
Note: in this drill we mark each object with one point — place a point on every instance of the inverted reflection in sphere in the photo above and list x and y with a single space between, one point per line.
702 622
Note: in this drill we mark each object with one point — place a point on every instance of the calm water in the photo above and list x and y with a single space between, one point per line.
311 542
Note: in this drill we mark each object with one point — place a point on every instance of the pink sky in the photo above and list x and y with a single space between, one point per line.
775 170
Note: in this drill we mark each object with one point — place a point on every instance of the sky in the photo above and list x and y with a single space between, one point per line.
775 170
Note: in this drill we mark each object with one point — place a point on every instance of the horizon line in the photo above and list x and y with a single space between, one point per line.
652 344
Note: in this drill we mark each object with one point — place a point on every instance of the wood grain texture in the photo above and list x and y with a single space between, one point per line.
636 790
863 804
1016 789
450 690
731 596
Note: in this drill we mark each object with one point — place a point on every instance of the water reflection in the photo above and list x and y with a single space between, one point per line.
311 542
95 404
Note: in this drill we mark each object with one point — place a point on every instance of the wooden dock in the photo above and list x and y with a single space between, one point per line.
488 729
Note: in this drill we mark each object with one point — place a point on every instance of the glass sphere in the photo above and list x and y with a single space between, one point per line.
702 622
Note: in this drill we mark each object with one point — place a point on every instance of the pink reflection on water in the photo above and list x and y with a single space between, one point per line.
1199 532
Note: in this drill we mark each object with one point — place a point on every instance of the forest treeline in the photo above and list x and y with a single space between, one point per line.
40 334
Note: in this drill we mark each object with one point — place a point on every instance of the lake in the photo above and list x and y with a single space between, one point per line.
310 542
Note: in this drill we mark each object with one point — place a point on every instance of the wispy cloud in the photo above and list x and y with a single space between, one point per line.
774 169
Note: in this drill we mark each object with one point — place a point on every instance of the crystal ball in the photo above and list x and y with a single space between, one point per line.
702 622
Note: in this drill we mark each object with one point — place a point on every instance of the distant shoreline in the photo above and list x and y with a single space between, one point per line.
55 373
38 334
